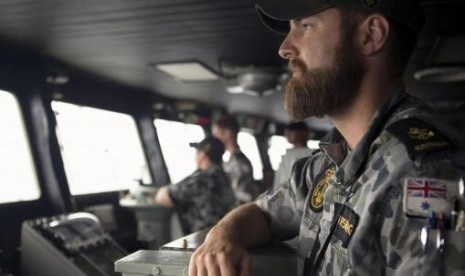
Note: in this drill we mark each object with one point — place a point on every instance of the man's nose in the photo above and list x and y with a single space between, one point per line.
287 50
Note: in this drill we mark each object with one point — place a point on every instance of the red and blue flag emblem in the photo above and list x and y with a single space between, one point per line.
426 188
424 195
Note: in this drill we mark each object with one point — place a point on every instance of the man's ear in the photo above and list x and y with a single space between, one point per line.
372 34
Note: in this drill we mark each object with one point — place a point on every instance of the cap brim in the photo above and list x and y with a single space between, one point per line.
275 14
195 145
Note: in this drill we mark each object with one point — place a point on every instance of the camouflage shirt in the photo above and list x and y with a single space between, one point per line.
202 198
240 172
376 232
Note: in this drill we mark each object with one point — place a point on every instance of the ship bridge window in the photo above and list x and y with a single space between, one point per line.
278 147
248 145
174 140
101 149
18 177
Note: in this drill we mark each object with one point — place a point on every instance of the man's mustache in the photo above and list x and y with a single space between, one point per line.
297 65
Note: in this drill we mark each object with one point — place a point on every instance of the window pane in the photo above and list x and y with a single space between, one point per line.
174 140
278 147
313 144
248 145
101 149
17 173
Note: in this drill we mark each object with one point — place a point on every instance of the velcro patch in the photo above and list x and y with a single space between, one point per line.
346 224
425 195
418 136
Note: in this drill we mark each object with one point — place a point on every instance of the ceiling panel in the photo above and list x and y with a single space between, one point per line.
118 39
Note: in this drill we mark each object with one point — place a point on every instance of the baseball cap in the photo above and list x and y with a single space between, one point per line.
211 146
275 14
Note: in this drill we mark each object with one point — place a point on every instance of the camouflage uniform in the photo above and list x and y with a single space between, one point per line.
240 172
376 234
202 198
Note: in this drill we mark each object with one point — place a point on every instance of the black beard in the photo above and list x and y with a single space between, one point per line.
325 91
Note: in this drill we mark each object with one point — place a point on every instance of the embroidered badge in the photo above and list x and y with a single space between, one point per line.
420 133
418 137
318 192
346 224
425 195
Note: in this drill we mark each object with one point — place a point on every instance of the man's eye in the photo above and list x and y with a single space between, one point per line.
306 27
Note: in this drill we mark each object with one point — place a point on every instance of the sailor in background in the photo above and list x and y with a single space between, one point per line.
238 166
203 197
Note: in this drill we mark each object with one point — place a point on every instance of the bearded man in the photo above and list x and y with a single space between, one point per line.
359 205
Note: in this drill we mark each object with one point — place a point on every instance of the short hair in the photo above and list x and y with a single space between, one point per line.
228 122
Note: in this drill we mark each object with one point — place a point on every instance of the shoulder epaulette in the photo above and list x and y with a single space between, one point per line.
418 136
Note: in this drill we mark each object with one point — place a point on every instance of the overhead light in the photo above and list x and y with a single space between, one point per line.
187 71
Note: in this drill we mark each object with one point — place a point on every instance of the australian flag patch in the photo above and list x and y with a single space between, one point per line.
425 195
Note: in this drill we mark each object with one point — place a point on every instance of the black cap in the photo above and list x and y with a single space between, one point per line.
212 147
275 14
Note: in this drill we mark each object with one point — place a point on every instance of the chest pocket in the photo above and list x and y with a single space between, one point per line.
338 260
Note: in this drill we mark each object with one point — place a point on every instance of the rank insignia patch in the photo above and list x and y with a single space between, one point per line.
425 195
346 224
318 191
418 137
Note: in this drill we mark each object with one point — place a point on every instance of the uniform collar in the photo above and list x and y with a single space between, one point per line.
335 146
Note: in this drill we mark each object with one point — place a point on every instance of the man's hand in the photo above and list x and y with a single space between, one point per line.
223 252
220 255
